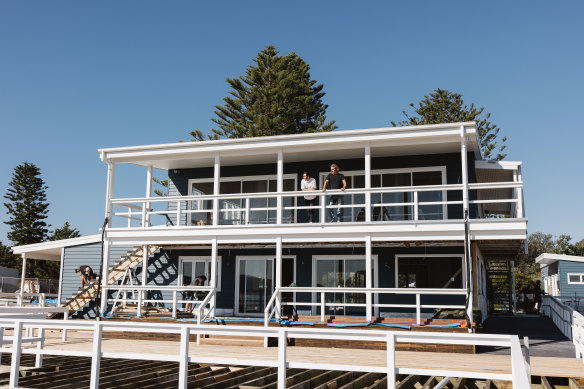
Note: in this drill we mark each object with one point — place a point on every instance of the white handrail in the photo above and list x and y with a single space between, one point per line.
269 311
518 375
569 321
245 210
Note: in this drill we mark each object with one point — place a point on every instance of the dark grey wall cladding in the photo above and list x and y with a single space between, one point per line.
163 270
386 277
566 289
178 183
87 254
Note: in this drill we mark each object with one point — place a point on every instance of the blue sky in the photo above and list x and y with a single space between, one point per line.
78 76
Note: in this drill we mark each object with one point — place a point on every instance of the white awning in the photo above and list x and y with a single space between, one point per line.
51 250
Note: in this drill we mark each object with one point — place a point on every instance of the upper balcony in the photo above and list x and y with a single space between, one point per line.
408 183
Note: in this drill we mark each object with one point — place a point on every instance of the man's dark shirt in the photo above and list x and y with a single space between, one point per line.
335 182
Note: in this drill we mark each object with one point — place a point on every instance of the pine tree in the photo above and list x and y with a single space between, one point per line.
276 96
443 106
27 205
65 232
27 208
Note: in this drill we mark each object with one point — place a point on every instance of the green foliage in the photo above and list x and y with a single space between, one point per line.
7 259
527 271
443 106
27 206
276 96
65 232
28 209
164 184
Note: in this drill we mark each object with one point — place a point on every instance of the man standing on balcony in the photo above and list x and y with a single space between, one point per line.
309 183
336 180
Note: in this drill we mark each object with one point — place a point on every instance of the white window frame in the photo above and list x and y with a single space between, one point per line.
241 179
374 272
261 257
441 169
576 274
398 256
208 261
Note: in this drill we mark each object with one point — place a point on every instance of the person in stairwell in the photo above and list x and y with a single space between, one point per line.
199 281
86 274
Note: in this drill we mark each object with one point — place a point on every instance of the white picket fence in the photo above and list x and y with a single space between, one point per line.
569 321
519 375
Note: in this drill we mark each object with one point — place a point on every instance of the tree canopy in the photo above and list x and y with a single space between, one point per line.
65 232
27 205
528 272
443 106
275 96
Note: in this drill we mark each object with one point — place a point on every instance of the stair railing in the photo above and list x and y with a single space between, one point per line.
270 311
200 310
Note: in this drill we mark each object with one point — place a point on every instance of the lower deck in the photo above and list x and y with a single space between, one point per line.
242 355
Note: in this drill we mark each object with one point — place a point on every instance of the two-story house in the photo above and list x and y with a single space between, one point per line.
422 216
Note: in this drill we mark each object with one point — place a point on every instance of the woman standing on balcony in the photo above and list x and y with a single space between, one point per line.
308 183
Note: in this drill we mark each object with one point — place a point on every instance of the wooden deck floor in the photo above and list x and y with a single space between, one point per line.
540 366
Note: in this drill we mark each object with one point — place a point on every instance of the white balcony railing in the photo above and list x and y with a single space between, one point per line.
273 307
389 204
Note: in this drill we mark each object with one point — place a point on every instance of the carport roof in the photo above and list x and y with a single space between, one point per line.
51 251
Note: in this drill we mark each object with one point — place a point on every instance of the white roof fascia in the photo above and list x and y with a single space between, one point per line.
56 244
174 150
504 165
548 259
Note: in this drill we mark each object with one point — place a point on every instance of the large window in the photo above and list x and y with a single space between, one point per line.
430 271
240 210
341 272
402 210
192 267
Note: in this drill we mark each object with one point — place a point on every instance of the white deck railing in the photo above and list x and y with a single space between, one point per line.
17 299
138 299
569 321
519 375
237 208
273 307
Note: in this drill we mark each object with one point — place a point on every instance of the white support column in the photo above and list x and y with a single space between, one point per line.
216 177
105 274
183 367
96 356
368 277
368 184
519 191
111 172
61 276
463 156
390 351
146 208
143 293
280 187
213 275
16 353
282 344
278 273
22 278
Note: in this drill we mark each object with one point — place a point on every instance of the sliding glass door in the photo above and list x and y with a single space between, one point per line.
255 283
341 272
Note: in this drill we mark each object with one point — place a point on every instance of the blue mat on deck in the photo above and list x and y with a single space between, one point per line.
402 326
295 323
343 325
